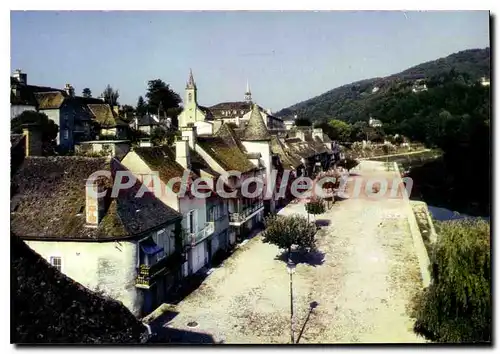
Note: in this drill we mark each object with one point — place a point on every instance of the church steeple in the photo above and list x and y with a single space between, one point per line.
190 83
248 94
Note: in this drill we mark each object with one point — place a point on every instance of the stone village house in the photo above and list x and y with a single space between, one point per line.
79 118
127 247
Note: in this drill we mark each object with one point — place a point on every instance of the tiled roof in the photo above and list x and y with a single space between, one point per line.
226 153
50 100
46 305
49 202
256 129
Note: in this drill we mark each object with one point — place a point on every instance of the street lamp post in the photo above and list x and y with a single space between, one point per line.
291 269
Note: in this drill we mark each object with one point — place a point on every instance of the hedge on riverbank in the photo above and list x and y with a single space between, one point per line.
456 307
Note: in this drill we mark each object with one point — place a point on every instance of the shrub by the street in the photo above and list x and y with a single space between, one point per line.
288 231
456 307
315 206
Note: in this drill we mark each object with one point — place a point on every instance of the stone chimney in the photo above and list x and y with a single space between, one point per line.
21 77
33 138
94 202
182 153
189 134
69 90
318 132
300 134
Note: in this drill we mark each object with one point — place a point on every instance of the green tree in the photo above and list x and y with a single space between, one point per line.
141 108
47 126
302 122
127 112
315 206
158 136
340 130
161 97
110 96
288 231
86 92
456 307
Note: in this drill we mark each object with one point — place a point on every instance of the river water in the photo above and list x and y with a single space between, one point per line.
443 214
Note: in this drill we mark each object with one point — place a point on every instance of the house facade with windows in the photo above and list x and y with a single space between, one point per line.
123 245
78 118
204 221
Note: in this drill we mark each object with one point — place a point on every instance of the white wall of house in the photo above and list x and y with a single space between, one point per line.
264 148
183 205
111 266
16 110
204 128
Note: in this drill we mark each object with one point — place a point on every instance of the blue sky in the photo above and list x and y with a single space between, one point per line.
286 56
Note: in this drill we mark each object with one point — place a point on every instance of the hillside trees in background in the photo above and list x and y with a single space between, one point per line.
354 101
303 122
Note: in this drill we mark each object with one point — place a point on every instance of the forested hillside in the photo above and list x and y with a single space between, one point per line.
357 101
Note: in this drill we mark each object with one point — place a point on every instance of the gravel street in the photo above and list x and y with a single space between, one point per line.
362 279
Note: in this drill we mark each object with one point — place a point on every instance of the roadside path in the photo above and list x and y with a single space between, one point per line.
362 279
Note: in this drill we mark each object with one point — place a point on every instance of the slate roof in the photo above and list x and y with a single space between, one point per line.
48 202
208 113
288 160
146 120
320 143
256 129
234 109
226 153
26 94
254 155
103 114
161 159
50 100
326 139
15 139
198 164
48 307
232 135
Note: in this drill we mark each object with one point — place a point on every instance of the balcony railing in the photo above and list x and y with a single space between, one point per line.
196 237
243 215
147 274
